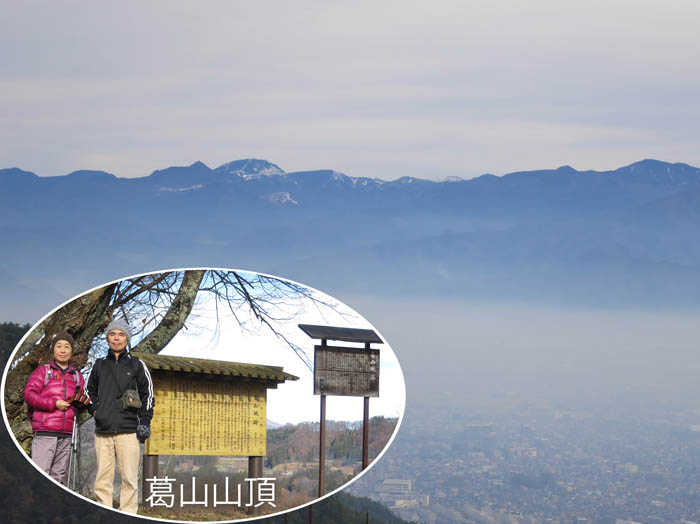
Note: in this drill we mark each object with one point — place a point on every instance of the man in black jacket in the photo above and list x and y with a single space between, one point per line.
120 422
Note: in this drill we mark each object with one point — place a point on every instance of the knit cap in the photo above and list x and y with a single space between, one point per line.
62 335
121 325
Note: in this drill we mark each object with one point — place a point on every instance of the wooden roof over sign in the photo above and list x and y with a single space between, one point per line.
215 367
341 333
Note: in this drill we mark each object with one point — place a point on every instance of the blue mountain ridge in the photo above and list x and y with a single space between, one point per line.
627 235
639 181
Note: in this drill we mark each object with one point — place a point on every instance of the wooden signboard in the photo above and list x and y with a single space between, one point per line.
346 371
199 416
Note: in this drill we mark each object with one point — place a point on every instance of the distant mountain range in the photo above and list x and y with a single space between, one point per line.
250 184
631 235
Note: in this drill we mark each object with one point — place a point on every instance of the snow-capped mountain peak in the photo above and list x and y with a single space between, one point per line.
248 168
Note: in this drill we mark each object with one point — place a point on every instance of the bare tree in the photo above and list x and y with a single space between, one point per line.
84 318
158 307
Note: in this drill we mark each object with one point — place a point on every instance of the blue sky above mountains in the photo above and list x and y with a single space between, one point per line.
432 90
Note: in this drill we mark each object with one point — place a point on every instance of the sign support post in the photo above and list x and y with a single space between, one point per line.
365 429
365 435
322 446
150 470
255 471
346 371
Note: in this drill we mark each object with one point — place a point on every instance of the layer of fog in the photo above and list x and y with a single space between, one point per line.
493 357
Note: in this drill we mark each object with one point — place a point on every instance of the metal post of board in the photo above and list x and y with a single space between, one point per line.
366 517
150 470
255 471
365 429
322 452
311 514
365 435
322 440
322 447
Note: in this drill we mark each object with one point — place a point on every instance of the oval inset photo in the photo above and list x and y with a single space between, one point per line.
203 395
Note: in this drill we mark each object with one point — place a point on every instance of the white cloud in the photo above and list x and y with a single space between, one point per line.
365 88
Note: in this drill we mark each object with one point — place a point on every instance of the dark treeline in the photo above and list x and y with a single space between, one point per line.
341 509
10 334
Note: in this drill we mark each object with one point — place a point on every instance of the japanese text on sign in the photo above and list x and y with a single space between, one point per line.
346 371
200 417
259 490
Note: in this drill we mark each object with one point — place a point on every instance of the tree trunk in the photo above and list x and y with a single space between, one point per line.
176 316
83 318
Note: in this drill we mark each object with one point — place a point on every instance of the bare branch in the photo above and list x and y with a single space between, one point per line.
123 299
177 314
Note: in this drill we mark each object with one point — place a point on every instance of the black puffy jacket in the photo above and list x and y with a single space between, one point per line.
109 379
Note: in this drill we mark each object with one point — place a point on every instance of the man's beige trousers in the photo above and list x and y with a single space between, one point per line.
124 448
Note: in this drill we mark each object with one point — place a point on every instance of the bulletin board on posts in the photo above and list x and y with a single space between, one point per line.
198 416
346 371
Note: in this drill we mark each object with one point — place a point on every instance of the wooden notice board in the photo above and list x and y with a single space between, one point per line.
346 371
197 416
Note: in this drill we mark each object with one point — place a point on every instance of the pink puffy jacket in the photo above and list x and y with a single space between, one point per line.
41 398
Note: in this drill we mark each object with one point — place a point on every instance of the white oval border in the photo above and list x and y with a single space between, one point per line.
268 515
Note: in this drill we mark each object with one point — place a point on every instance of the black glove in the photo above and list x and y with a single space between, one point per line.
143 431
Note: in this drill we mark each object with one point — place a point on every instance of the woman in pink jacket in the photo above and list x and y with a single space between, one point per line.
51 394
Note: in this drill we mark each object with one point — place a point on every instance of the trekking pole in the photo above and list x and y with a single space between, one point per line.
77 455
73 464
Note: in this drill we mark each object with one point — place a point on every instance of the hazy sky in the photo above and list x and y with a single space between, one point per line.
429 89
484 356
293 401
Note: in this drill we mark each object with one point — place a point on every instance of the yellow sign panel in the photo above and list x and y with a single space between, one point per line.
205 417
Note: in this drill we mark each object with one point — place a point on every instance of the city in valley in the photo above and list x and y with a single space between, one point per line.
537 464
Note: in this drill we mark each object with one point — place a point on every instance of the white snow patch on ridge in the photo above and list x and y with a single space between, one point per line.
180 189
282 197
